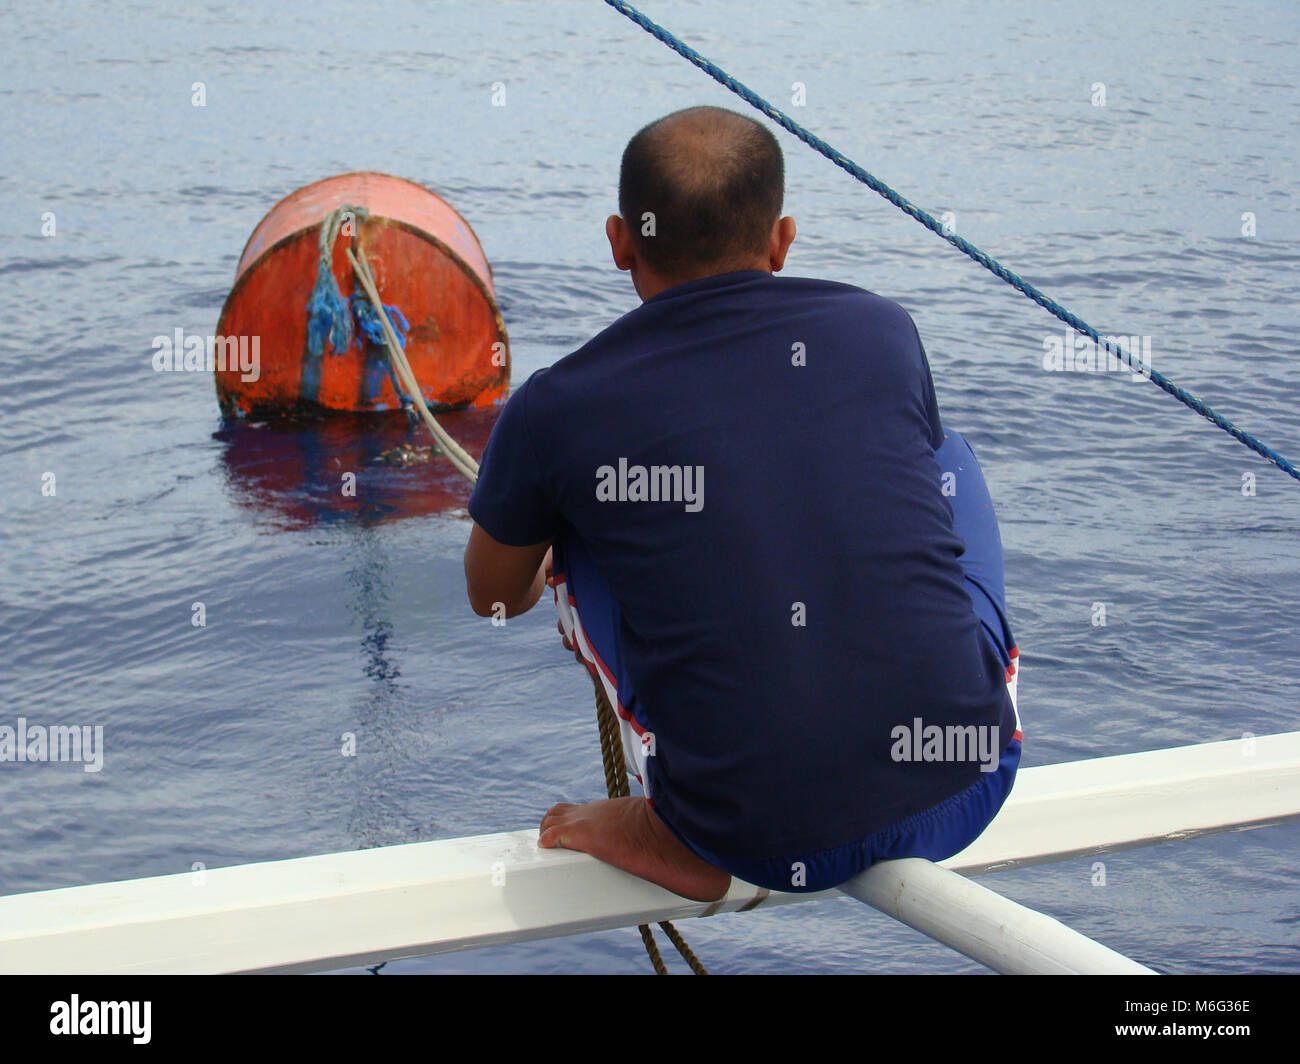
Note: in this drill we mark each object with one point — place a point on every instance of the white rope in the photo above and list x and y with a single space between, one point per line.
465 463
460 458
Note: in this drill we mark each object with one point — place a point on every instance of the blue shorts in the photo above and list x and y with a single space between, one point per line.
935 833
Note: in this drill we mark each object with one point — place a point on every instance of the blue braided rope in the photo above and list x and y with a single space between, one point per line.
371 328
328 320
907 207
368 320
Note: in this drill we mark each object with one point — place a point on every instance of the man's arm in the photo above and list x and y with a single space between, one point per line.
511 576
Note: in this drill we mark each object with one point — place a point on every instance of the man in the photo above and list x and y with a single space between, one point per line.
784 573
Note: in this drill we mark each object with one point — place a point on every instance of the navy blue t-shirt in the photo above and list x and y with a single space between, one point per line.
798 597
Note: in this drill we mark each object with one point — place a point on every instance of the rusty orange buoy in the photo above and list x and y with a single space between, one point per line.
428 264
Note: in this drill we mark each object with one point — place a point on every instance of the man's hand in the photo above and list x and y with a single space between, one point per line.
499 577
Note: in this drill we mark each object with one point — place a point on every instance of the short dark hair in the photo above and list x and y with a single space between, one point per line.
714 181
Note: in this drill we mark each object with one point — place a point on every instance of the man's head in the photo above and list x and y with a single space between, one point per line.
700 193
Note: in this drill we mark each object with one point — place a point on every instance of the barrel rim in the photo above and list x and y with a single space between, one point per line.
360 173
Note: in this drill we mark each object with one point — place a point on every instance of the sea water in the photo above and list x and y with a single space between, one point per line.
1136 162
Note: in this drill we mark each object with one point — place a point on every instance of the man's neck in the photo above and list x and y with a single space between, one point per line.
649 284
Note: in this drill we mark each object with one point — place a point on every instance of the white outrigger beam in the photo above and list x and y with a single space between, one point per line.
345 909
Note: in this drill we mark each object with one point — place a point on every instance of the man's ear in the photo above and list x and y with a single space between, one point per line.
782 237
620 242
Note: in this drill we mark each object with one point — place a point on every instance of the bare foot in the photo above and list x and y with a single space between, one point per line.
626 833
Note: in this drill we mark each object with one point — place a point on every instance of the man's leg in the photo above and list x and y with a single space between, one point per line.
949 827
953 825
935 833
977 525
624 832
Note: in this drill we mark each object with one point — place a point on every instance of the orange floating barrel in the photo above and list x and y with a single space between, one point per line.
428 264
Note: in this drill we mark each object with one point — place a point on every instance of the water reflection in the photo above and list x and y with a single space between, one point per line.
353 473
362 469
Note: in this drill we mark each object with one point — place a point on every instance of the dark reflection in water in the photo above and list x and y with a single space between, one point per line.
383 709
355 472
364 469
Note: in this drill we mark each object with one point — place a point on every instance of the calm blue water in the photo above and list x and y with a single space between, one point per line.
222 743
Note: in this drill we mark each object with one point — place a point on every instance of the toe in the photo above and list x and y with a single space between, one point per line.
556 813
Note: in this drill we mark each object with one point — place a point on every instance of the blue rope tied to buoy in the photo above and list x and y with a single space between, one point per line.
930 222
372 329
328 317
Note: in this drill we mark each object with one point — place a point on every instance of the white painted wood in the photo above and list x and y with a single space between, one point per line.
1110 803
336 910
339 910
986 927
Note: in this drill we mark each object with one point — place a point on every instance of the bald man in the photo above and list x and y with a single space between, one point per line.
763 544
